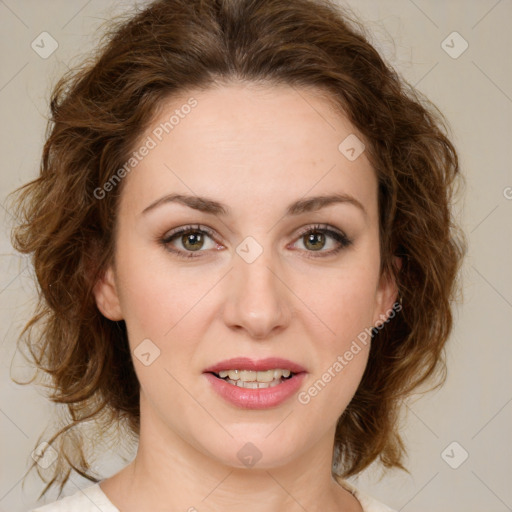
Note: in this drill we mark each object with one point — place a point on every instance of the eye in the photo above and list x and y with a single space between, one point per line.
316 238
187 240
191 238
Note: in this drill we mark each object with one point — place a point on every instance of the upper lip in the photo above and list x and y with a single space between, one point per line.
245 363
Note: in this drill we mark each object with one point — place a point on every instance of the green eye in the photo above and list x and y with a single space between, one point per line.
193 241
315 239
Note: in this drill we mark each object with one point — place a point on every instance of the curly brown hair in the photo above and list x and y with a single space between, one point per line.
101 108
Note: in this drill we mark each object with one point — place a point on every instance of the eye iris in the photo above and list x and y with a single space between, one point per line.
191 238
315 237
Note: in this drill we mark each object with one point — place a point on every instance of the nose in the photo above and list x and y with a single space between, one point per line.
257 299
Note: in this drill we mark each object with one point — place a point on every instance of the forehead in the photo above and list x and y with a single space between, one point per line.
249 141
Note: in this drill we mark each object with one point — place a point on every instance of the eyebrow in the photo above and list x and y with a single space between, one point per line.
203 204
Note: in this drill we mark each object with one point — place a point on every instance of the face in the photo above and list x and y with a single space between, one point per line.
222 252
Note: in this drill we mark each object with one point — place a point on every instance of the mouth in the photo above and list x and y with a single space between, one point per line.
250 379
253 384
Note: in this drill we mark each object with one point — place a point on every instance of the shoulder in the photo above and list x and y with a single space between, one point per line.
368 503
90 499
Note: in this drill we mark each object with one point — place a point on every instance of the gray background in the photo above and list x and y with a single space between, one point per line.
474 91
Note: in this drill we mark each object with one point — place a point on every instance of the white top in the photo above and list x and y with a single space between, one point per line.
93 499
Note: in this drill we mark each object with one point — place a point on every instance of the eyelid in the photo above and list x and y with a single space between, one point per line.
186 228
320 227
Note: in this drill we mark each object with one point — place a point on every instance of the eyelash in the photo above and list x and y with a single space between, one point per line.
339 237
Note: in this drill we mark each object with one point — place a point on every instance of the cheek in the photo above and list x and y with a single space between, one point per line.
344 306
160 301
343 302
152 299
349 317
344 299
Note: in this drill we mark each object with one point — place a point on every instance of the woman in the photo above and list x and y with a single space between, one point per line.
242 236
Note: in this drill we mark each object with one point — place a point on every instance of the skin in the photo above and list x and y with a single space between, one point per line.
255 149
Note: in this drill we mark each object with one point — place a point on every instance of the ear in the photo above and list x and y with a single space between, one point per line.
107 299
387 295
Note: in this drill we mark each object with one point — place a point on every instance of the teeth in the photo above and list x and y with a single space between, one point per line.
249 376
254 385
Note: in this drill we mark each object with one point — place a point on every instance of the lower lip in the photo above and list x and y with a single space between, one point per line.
256 398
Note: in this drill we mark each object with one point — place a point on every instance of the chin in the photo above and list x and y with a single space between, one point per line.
254 451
